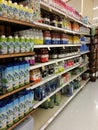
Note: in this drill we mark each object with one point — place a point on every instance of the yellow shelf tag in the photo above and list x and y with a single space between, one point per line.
43 67
49 48
50 9
56 63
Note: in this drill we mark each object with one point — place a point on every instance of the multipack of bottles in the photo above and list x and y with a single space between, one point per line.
15 11
83 59
15 107
13 76
10 45
84 48
69 89
52 101
44 90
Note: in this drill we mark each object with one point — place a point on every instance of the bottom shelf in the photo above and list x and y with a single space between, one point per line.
20 121
43 117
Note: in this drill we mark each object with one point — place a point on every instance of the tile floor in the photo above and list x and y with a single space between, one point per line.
81 113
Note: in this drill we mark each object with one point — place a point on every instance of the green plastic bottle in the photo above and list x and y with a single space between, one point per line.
16 44
10 44
22 44
3 45
32 44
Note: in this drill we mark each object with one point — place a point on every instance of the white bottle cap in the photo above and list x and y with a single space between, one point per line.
3 36
10 36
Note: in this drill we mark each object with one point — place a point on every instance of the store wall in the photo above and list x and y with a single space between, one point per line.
95 11
83 6
88 9
75 4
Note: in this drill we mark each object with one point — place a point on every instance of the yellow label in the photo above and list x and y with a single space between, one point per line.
49 28
2 1
49 48
63 47
50 9
56 63
49 100
43 67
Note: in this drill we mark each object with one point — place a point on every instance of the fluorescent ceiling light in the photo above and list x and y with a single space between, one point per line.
95 18
95 8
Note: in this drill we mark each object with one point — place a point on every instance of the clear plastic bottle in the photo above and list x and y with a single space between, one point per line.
41 37
10 44
3 8
16 44
10 9
21 13
16 11
22 44
3 45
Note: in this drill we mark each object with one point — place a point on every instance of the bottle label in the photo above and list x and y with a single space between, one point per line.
10 47
16 13
16 47
3 48
10 115
3 118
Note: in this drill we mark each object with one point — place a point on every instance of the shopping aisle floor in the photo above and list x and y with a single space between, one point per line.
81 113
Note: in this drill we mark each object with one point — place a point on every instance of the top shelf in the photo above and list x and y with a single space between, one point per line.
11 21
49 27
56 11
38 25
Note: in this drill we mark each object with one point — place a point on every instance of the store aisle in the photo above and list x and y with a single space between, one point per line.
81 113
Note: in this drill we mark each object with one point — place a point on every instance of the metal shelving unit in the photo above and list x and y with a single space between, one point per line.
57 45
35 110
38 65
94 57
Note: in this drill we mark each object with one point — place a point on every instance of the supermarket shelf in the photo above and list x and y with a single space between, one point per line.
85 52
38 103
36 25
47 79
42 119
20 120
49 27
17 90
84 64
11 21
56 45
56 11
38 65
16 55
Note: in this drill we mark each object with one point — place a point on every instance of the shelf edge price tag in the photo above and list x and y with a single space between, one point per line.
43 67
50 28
56 63
50 9
63 47
64 31
49 48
